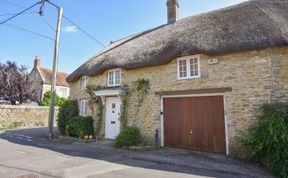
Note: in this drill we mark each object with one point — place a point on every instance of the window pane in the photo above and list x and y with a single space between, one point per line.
81 108
62 92
110 78
182 68
85 108
83 82
194 67
117 76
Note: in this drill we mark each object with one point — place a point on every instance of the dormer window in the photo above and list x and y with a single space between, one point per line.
188 67
83 83
114 77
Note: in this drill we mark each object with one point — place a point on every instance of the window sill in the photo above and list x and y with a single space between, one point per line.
187 78
114 85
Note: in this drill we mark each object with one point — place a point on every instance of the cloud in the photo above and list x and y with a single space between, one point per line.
70 29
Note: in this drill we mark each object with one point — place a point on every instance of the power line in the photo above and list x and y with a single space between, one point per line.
20 13
65 50
29 31
97 41
8 14
46 21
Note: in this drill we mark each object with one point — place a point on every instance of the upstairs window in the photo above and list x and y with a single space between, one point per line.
114 77
83 108
188 68
83 83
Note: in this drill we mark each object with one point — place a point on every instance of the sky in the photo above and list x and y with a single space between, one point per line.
105 20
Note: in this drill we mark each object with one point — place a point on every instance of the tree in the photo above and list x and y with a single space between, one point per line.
15 84
47 98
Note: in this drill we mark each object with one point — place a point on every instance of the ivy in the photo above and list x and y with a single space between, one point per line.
141 87
124 107
96 106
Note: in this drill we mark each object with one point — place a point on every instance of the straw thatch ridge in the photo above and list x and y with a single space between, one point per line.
249 25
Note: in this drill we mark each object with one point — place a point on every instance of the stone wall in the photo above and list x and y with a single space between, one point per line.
250 74
24 116
279 58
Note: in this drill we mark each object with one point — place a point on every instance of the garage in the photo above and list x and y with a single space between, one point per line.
195 123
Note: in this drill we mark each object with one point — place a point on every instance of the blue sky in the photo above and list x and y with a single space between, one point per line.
105 20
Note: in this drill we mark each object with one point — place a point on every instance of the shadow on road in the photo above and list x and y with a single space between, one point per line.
189 162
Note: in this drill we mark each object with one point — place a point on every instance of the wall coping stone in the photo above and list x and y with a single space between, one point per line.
24 107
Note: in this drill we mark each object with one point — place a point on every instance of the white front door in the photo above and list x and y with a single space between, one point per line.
112 123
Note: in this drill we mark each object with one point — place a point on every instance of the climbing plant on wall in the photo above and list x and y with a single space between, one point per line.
95 104
124 106
141 87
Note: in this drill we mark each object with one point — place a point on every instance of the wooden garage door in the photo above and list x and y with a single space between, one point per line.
195 123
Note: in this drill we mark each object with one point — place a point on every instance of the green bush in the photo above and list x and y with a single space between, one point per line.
80 126
129 136
47 97
68 110
267 142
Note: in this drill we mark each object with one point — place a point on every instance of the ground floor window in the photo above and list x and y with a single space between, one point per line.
63 92
83 108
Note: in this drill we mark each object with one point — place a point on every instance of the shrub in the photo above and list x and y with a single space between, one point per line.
129 136
80 126
68 110
47 97
267 142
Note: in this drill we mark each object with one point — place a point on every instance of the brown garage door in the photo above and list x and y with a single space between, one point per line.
195 123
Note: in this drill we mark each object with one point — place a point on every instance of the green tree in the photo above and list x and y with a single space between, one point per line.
67 111
15 84
267 141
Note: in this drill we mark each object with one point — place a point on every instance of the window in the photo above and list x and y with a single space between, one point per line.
114 77
83 108
63 92
188 68
83 83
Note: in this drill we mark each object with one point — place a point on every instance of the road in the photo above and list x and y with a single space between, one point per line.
28 153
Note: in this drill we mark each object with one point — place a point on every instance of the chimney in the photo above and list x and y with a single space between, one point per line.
36 62
172 11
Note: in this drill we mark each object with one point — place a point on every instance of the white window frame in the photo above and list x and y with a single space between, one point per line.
114 77
63 89
83 82
188 67
83 110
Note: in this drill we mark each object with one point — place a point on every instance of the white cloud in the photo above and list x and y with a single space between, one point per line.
70 29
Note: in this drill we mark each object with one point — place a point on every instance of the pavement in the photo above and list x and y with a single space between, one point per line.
27 153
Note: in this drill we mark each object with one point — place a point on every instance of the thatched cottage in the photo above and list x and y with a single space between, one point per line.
209 74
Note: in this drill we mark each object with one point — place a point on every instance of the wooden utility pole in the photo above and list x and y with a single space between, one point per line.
55 67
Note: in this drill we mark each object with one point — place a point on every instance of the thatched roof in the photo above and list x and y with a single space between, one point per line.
249 25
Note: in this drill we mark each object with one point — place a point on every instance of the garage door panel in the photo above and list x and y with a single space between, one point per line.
195 137
170 107
195 123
